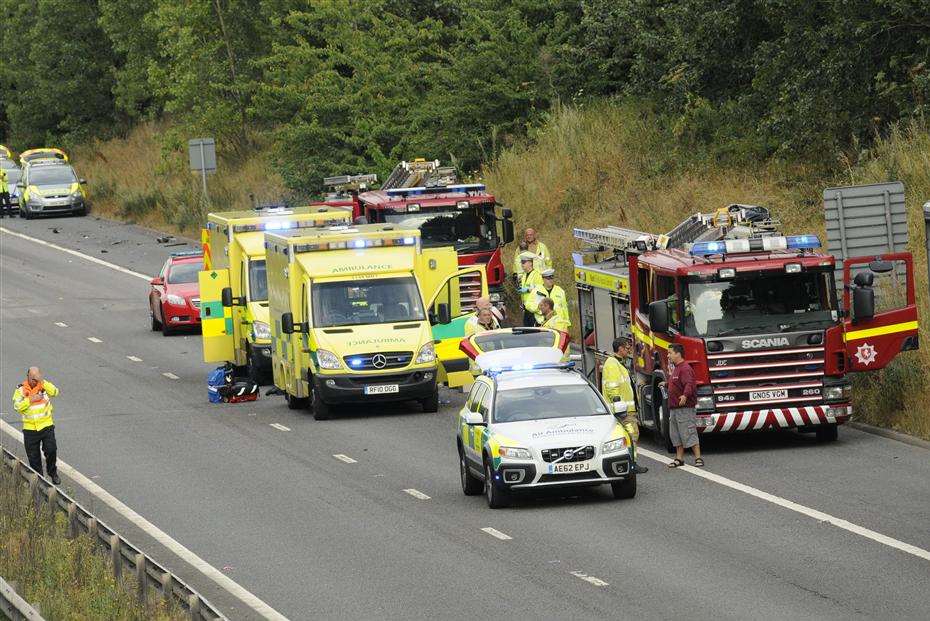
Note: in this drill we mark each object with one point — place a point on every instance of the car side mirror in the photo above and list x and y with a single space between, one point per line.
474 418
863 303
881 267
227 297
864 279
158 280
287 323
82 181
443 314
658 316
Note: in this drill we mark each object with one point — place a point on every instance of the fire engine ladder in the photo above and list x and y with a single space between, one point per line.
617 238
418 173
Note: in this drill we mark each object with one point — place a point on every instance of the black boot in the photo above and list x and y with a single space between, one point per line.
56 479
637 469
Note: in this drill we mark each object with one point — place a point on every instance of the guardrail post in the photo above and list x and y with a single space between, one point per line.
116 556
193 607
52 499
72 521
92 530
167 584
141 575
33 489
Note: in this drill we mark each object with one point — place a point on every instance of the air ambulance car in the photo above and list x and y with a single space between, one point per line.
233 285
364 314
531 422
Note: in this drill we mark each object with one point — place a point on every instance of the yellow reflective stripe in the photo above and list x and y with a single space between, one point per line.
650 338
881 330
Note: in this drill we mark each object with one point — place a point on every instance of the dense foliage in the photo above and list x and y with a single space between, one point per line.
354 85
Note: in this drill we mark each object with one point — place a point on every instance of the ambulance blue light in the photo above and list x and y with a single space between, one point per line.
358 243
701 249
803 242
277 225
409 241
355 362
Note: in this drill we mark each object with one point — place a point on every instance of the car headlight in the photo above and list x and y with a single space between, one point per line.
77 194
261 330
327 360
514 452
840 392
614 446
427 353
705 403
175 299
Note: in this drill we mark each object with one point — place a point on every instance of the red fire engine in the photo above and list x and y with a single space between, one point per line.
757 312
424 195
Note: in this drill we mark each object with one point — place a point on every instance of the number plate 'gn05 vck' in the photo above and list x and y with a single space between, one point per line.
382 389
768 395
560 468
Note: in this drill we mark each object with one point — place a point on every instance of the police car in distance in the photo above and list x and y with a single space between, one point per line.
531 425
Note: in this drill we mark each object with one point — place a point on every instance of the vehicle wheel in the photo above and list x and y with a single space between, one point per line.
81 212
431 403
321 411
156 326
294 403
827 433
497 497
624 489
471 485
660 431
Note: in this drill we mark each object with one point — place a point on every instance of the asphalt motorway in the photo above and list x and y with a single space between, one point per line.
256 491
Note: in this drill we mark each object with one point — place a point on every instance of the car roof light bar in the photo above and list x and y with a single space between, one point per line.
529 367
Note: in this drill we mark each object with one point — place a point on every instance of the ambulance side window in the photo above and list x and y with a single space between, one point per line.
304 303
485 404
242 279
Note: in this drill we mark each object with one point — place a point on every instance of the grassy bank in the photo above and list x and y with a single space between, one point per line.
67 578
619 164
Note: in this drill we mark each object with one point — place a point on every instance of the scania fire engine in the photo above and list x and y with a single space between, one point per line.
426 196
770 340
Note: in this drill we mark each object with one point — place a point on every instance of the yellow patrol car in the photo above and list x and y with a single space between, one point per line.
43 153
531 422
50 187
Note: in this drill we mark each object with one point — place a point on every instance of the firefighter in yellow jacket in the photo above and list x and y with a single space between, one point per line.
555 293
33 400
529 280
551 319
616 385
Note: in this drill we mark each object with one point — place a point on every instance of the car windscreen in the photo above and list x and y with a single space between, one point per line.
13 174
52 175
494 341
463 229
543 402
764 302
258 281
183 273
354 302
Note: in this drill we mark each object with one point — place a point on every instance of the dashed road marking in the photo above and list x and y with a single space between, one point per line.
280 427
134 358
591 579
793 506
170 375
225 582
94 339
417 494
344 458
61 324
86 257
496 533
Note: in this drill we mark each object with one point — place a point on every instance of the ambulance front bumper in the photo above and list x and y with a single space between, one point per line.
407 386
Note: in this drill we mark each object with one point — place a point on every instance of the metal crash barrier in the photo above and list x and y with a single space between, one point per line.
125 558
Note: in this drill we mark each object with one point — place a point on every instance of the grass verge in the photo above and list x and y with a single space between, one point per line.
67 578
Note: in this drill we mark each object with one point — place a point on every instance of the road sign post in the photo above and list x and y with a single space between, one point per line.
202 155
927 235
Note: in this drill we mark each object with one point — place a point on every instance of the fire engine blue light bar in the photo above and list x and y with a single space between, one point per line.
439 189
703 249
803 242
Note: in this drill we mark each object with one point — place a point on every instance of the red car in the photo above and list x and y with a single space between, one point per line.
174 299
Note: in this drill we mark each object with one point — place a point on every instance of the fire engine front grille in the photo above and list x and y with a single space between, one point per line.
746 380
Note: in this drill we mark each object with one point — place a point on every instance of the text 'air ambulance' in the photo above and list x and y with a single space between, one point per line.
364 313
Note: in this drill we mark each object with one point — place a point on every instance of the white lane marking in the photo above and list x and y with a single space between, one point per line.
496 533
160 536
592 579
94 339
134 358
344 458
61 324
87 257
820 516
417 494
170 375
279 427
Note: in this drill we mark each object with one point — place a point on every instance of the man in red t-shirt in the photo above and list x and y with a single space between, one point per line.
682 397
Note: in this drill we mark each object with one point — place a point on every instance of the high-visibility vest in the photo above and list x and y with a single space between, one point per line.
556 323
559 300
615 382
541 261
530 281
4 188
473 327
36 416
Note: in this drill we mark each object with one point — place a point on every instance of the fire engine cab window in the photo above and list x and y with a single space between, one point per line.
258 281
464 229
351 302
765 303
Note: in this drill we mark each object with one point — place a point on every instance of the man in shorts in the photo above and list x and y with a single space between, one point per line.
682 397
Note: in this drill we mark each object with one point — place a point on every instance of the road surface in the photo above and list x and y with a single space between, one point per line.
255 489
